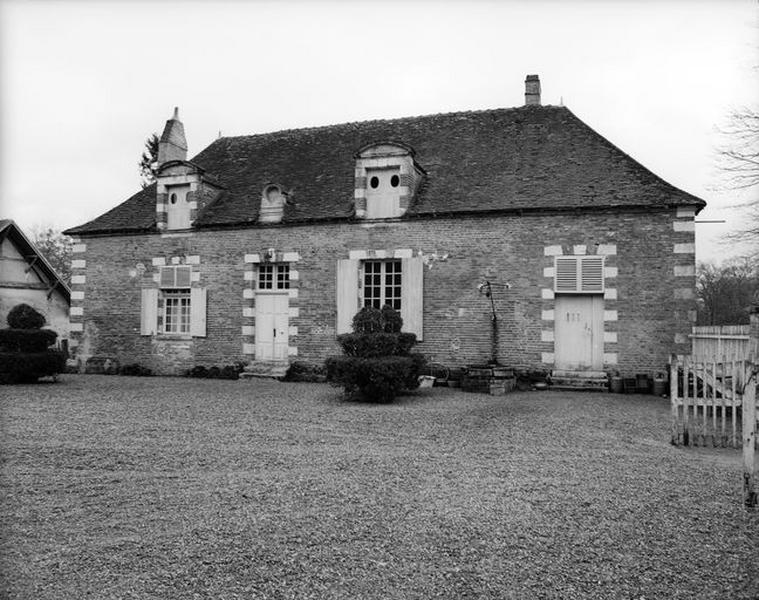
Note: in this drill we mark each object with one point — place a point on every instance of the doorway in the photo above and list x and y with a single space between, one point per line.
578 333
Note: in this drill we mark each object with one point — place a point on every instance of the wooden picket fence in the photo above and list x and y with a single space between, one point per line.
713 403
725 341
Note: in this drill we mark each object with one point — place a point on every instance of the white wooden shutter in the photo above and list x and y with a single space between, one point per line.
592 274
412 295
198 312
565 279
183 276
347 294
149 311
167 277
579 274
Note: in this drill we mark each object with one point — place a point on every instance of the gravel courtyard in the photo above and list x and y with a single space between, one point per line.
122 487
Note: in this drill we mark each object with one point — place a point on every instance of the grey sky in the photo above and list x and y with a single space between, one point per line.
84 83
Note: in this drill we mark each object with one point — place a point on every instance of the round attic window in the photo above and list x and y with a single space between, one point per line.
272 193
173 198
374 182
395 180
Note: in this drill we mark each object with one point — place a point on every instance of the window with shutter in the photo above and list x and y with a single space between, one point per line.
579 275
397 282
176 313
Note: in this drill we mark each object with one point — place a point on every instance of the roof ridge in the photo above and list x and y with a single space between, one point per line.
315 128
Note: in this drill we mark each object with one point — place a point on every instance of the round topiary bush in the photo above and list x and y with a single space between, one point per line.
23 316
377 364
25 355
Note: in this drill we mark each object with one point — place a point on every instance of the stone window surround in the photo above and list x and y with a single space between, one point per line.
609 252
193 261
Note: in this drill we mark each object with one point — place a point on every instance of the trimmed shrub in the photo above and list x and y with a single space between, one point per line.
392 320
27 340
306 372
198 371
27 367
24 354
135 369
379 379
378 344
369 320
378 364
225 372
23 316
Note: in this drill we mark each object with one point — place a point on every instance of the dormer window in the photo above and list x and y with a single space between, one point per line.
272 204
387 178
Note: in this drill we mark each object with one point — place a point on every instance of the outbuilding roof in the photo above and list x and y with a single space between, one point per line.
10 230
519 159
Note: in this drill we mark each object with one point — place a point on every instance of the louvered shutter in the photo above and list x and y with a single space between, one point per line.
182 276
176 277
167 277
347 294
198 312
565 280
579 275
592 274
149 311
412 295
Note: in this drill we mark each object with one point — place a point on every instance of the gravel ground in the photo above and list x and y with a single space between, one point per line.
120 487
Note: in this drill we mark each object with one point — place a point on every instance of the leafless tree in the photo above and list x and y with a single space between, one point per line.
739 163
725 292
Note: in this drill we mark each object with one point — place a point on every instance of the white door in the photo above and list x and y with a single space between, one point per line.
178 216
578 333
382 193
271 326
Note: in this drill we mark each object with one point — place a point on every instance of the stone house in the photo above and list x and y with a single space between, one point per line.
261 248
26 277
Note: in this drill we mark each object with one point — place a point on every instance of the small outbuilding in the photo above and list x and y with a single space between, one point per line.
26 277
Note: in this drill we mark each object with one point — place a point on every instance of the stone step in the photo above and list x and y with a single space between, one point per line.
585 386
270 369
579 380
589 374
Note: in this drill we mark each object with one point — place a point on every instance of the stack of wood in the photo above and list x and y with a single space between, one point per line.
496 381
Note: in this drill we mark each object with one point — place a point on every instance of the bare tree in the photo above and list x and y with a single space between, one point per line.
725 292
739 163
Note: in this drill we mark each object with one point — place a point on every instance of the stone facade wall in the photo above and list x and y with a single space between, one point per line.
650 267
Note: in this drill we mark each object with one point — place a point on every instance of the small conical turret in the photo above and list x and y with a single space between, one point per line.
172 145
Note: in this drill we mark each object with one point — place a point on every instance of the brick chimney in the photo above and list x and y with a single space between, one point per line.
532 90
172 145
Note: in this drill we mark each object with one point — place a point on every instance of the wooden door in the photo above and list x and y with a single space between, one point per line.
271 326
578 333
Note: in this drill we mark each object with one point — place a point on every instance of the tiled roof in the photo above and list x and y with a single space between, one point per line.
527 158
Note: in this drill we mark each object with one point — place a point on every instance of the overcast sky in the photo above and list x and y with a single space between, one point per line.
84 83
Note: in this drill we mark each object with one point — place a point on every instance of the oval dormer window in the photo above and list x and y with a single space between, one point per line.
272 204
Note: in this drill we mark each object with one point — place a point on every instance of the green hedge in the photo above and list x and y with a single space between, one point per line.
376 379
376 344
27 367
26 340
